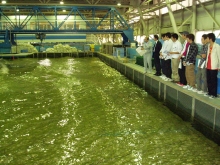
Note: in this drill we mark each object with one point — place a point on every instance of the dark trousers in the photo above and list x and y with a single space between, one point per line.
167 68
162 65
182 74
212 82
157 64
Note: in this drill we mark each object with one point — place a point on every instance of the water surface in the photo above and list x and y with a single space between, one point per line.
80 111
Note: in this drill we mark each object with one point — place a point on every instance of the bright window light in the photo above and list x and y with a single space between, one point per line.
119 4
61 17
3 2
199 34
61 2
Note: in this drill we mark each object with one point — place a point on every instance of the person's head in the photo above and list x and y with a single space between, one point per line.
168 35
174 37
204 39
184 34
156 37
146 39
190 38
163 36
211 37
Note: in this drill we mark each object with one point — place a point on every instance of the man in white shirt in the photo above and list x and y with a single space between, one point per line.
165 55
161 57
175 53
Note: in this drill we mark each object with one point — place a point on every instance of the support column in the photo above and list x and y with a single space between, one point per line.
147 29
155 24
160 22
173 22
193 26
142 20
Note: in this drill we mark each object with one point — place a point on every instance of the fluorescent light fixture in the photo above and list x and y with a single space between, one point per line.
61 2
4 2
119 4
64 10
17 10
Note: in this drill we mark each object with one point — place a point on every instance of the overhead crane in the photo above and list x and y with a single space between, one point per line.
9 27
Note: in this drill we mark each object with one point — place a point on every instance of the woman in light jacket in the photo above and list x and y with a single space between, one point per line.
212 65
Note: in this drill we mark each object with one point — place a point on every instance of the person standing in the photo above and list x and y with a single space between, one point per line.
189 62
182 68
175 52
201 79
166 57
212 65
156 55
147 46
163 36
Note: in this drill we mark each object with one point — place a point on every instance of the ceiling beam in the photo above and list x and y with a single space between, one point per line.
57 4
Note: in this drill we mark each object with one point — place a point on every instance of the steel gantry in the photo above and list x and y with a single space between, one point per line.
27 20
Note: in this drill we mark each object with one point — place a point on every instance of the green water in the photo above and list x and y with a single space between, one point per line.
82 112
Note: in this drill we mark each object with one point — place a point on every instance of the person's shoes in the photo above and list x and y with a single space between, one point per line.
207 95
212 97
163 78
157 74
201 92
185 86
167 79
181 85
195 90
190 88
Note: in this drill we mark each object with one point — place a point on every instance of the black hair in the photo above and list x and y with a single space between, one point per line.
163 35
168 34
174 35
156 36
190 36
204 36
211 36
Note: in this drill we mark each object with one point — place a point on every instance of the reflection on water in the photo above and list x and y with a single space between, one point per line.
45 62
3 69
80 111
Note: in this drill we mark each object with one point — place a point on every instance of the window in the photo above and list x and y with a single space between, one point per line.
198 36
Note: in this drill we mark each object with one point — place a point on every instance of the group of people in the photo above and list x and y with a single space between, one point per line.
176 62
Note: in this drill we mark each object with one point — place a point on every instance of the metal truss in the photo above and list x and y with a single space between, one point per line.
92 23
